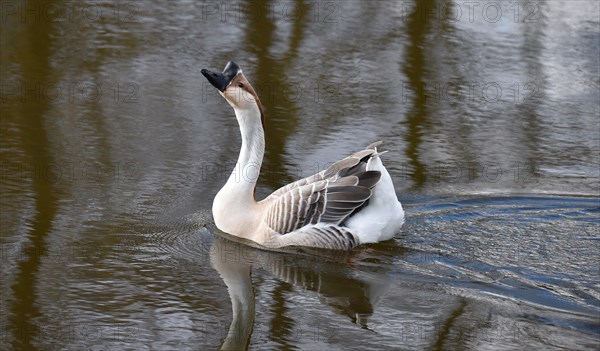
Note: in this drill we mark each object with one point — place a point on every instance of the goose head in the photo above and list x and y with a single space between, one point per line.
234 87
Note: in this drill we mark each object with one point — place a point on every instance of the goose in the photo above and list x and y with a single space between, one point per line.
352 202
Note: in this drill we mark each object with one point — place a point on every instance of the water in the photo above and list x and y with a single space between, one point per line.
113 146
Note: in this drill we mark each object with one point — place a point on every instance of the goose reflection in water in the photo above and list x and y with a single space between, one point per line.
344 289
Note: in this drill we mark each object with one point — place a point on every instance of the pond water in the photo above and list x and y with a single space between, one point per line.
113 146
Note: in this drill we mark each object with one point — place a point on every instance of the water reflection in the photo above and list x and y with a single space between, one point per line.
414 68
327 273
33 53
528 114
236 275
270 78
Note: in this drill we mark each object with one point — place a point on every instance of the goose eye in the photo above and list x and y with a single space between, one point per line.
240 84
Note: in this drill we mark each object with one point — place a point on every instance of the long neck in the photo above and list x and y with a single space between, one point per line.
247 169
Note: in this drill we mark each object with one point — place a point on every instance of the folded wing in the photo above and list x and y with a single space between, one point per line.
328 197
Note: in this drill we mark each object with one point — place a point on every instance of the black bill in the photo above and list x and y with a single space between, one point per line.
222 80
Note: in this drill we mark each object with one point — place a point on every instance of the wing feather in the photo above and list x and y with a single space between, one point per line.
328 197
331 171
321 202
326 237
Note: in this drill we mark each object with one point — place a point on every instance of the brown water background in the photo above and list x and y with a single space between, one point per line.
113 146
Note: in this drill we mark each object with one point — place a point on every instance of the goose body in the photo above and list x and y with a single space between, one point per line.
350 203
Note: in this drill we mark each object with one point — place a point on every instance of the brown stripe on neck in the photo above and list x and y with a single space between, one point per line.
248 87
262 113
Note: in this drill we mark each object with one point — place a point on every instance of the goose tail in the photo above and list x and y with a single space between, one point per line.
383 216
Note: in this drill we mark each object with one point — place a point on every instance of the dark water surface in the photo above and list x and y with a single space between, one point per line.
113 146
